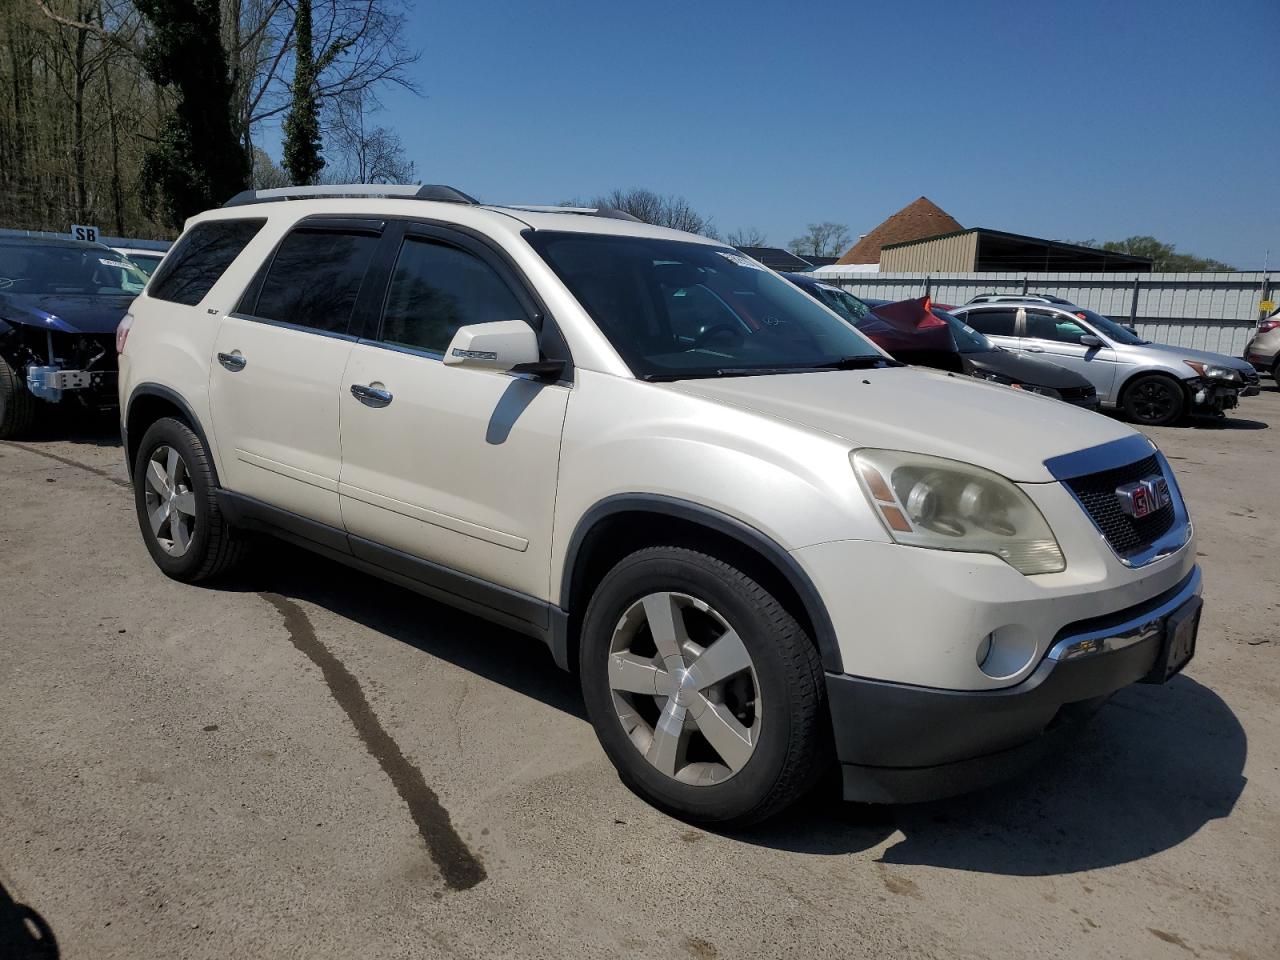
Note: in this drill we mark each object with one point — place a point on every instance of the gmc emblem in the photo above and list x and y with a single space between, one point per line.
1143 497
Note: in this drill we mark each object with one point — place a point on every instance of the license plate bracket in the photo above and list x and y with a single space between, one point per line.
1178 644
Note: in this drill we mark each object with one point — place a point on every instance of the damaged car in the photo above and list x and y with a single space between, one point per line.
60 304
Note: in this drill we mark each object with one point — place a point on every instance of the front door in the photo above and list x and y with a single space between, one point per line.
1055 336
277 370
452 465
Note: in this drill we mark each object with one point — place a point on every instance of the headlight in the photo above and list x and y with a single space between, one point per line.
1213 371
948 505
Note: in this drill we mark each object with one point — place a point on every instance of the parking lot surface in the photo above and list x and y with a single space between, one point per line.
305 762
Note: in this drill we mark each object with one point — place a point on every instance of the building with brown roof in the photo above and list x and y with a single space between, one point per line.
919 219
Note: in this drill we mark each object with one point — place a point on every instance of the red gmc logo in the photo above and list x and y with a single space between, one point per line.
1143 497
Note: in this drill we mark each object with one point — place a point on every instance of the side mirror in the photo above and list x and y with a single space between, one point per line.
1089 340
503 346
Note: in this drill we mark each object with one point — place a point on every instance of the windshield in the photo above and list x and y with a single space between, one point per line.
968 340
677 310
843 303
1112 329
67 270
146 262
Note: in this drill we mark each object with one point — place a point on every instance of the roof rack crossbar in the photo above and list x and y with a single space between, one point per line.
411 191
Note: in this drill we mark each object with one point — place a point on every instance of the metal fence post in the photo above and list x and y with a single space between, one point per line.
1133 303
1025 288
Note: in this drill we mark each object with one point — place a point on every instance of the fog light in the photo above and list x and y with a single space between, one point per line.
1009 651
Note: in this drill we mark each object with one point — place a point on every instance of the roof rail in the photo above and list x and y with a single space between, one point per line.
408 191
610 212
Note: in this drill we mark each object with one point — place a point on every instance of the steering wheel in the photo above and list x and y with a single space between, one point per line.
711 331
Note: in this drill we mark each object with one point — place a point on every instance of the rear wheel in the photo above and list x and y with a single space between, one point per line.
174 493
17 403
1154 400
707 696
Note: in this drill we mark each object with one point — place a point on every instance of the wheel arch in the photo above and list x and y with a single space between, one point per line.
620 525
1140 372
150 402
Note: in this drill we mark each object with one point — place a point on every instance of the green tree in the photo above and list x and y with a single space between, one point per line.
302 157
1165 257
196 161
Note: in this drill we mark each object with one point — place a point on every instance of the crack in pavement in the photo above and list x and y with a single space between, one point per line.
460 868
67 461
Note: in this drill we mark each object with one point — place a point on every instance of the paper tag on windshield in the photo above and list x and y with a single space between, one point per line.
114 263
740 260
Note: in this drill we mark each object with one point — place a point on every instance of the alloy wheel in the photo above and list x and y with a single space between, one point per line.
1154 400
684 688
171 502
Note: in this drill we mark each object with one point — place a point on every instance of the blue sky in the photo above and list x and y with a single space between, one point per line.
1069 120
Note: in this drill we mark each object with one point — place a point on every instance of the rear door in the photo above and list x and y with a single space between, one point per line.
998 323
278 365
452 465
1055 335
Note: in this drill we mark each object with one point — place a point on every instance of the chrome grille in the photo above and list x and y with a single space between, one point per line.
1097 494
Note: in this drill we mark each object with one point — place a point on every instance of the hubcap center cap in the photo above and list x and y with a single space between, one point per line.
686 689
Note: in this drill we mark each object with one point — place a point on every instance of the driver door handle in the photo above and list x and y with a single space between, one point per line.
1035 349
371 396
232 361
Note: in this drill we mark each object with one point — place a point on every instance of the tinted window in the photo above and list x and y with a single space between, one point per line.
436 289
1042 325
200 258
314 279
758 321
994 323
1112 329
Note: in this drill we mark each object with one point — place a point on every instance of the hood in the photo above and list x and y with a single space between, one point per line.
1204 356
1038 373
1008 431
69 314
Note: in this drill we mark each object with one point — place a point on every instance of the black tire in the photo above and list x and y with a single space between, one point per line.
215 546
1275 373
1154 400
793 744
17 403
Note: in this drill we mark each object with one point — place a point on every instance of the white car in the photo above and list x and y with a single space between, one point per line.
763 545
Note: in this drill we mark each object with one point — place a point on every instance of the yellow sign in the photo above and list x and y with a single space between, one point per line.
1266 306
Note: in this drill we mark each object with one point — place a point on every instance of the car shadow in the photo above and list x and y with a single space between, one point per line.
1152 768
1226 423
24 934
93 428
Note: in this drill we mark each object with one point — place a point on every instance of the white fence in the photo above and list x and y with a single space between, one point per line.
1207 311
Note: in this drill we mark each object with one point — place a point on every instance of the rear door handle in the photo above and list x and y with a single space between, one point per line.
371 396
232 361
1035 349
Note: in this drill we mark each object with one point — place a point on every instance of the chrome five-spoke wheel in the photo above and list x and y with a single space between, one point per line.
684 688
170 501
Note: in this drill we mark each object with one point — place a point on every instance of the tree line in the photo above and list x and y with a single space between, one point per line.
136 114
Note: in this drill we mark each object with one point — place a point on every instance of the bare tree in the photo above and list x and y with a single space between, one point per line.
663 211
748 237
824 239
362 152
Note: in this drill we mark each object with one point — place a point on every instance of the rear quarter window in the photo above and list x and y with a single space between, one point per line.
200 257
994 323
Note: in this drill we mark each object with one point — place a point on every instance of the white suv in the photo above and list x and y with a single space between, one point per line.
764 546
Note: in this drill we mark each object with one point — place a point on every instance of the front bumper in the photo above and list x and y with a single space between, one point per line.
899 743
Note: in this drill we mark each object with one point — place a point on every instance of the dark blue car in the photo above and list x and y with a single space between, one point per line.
60 304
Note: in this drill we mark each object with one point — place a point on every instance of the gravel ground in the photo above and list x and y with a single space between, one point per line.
305 762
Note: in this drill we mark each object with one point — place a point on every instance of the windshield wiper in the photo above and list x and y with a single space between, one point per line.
861 362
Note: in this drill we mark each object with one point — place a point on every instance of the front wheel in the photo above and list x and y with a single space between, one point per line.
1154 400
17 403
706 694
174 493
